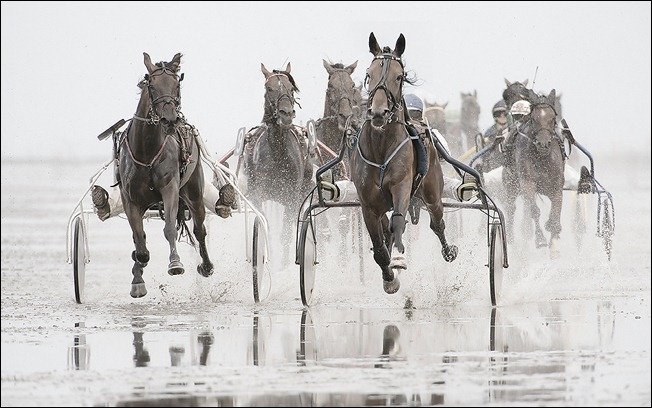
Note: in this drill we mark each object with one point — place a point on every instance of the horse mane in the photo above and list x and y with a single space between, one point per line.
294 84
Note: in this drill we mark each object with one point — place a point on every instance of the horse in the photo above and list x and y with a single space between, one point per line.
157 163
278 163
383 168
341 110
536 166
463 132
435 114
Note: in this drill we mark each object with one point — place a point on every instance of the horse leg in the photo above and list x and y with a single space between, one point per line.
381 254
401 201
199 230
170 195
553 225
530 199
437 224
141 254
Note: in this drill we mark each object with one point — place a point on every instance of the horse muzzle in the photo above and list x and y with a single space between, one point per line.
378 118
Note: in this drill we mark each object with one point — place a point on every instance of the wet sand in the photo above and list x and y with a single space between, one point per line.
574 331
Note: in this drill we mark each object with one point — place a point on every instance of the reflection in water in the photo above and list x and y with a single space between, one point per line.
176 354
141 355
79 354
205 339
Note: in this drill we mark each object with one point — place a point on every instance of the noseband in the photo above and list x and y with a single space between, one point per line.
392 102
152 117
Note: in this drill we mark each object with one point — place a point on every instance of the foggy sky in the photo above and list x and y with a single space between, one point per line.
70 70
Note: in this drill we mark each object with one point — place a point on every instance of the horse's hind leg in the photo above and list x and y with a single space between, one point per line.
199 216
530 197
436 210
170 195
141 254
381 254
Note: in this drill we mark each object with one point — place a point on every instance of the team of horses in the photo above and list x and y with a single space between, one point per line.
159 164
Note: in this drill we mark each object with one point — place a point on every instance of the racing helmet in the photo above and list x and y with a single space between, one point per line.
498 108
520 108
413 102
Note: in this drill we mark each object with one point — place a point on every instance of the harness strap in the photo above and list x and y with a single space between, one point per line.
383 166
151 163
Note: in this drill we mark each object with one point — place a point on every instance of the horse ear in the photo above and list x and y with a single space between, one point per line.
288 68
475 93
174 63
525 82
328 67
351 68
374 48
264 70
400 46
148 63
507 82
444 105
462 94
552 96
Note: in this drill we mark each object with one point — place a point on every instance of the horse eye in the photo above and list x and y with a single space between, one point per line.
398 78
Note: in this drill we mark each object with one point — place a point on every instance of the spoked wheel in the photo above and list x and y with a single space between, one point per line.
496 258
307 261
607 229
79 259
258 258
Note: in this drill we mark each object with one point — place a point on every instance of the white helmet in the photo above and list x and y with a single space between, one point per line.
521 107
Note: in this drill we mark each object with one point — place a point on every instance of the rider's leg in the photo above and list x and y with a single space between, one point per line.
107 204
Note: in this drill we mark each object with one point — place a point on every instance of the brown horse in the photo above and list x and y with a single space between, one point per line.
462 133
278 163
384 168
155 165
341 109
537 167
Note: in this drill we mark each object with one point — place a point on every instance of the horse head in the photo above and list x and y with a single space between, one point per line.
163 87
385 77
543 124
517 91
435 114
470 111
279 96
342 100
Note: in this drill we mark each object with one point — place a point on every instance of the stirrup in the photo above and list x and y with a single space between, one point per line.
100 198
468 189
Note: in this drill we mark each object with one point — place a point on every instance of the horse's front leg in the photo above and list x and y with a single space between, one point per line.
530 199
400 201
170 194
372 221
553 225
141 254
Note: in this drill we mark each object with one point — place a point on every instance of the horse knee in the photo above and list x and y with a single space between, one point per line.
140 257
397 224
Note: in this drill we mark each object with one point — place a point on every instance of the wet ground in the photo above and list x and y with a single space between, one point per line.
571 331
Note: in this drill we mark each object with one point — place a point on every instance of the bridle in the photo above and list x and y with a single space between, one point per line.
393 103
531 128
335 104
152 117
283 95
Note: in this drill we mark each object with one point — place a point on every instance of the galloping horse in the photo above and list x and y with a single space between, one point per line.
384 168
157 162
341 109
462 134
278 164
517 91
537 166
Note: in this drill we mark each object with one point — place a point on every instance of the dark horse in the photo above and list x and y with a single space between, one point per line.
384 168
537 167
517 91
461 135
155 165
341 109
278 164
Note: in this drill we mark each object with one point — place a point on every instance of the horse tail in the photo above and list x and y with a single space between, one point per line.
182 226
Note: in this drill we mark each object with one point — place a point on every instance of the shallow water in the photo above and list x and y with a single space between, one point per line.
571 331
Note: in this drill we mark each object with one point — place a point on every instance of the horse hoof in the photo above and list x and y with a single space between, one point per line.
392 286
205 271
398 262
175 268
449 253
138 290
